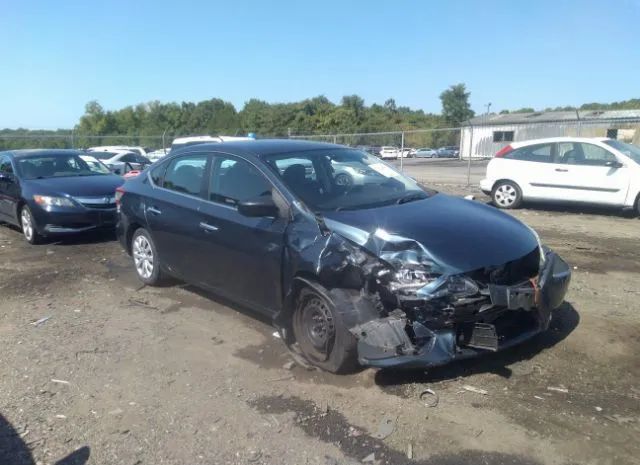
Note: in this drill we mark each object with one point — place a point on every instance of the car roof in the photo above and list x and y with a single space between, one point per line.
549 140
24 153
260 147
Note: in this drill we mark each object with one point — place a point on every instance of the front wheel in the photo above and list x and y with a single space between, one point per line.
321 334
145 258
506 194
29 229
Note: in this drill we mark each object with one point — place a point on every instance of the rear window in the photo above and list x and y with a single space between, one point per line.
540 153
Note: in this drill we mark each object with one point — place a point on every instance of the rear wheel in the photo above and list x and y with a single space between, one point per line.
506 194
321 335
28 223
145 258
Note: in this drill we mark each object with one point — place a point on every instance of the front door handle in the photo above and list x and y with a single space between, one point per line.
154 210
208 227
562 170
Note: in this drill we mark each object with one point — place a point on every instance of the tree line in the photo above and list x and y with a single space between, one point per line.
143 124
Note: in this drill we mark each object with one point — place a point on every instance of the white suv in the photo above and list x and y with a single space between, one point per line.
565 169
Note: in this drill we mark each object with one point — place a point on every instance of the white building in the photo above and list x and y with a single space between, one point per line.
483 136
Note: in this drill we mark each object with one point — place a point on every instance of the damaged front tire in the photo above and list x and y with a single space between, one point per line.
321 335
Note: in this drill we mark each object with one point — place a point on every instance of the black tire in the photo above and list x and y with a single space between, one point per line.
314 313
144 249
29 226
343 179
507 195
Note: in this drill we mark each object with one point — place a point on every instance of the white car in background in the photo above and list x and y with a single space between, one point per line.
180 142
121 161
389 153
565 169
118 148
157 154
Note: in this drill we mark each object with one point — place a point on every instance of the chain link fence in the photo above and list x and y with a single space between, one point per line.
71 140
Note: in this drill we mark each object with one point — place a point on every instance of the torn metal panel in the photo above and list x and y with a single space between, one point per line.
406 307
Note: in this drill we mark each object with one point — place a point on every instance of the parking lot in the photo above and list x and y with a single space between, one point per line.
130 374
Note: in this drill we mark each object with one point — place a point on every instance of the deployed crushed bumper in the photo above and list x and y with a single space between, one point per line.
515 314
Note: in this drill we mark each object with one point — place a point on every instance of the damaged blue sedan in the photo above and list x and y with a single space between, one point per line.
383 272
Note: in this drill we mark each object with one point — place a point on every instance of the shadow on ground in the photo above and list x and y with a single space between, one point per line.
15 451
565 320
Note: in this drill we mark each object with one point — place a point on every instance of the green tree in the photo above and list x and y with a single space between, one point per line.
455 104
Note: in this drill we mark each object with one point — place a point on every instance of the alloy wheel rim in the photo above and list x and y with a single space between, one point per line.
506 195
143 257
27 224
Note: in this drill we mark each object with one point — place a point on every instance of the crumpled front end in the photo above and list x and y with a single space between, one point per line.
437 315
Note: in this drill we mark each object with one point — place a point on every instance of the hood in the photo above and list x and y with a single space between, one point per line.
76 185
460 235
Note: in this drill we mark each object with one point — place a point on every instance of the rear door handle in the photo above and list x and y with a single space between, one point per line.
208 227
562 170
154 210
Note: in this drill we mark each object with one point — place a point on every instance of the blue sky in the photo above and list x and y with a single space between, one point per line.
56 56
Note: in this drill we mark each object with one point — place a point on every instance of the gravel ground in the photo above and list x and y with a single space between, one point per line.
125 374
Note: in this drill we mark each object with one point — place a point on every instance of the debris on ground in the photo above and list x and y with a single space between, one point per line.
619 419
59 381
289 365
430 396
483 392
386 427
410 451
40 321
558 389
369 458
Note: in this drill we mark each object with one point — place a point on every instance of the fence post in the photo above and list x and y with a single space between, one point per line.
401 151
469 161
164 149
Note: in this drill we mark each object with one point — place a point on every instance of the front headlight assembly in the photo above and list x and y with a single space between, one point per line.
541 251
49 201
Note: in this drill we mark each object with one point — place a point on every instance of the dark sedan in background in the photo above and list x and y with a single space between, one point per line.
52 192
384 273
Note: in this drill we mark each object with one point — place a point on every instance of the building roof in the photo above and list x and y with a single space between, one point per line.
493 119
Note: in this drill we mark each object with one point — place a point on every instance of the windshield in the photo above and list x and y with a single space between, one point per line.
343 179
632 151
95 165
54 166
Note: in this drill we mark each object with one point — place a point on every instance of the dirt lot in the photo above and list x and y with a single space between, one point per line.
124 374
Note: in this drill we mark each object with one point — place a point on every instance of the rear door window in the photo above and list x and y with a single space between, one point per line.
185 174
541 153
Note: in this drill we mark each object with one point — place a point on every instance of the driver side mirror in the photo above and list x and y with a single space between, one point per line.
258 207
614 164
